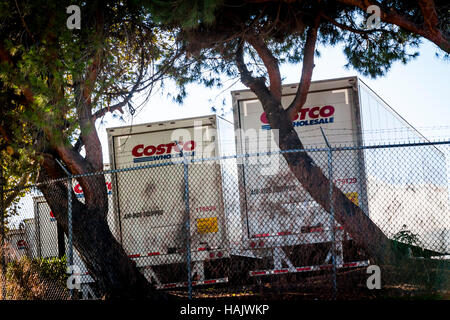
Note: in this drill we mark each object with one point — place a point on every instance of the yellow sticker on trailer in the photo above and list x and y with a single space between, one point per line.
207 225
353 196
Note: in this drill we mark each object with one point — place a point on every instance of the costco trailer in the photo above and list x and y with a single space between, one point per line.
16 244
29 228
280 215
151 203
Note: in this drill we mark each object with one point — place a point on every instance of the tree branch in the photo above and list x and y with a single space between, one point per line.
270 62
272 105
4 134
351 29
307 69
84 106
100 113
255 84
79 165
5 56
434 34
88 134
430 17
78 145
23 22
17 190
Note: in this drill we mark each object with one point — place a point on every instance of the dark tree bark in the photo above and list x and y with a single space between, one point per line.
105 258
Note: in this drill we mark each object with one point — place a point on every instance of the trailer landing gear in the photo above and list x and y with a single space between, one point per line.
354 264
279 256
197 276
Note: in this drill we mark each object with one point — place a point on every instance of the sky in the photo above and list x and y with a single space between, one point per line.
419 91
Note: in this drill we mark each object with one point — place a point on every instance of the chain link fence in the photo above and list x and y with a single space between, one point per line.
238 226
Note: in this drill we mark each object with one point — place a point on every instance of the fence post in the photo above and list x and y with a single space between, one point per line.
2 234
188 224
69 221
332 224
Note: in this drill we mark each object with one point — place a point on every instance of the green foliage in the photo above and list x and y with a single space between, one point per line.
18 170
407 237
52 269
187 14
52 64
28 279
209 32
22 281
373 55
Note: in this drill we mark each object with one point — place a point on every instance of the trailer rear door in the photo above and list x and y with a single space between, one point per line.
151 201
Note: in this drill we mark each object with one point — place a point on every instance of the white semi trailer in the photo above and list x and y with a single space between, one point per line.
280 215
150 204
16 244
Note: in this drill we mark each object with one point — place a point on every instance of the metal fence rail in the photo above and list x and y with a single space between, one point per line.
241 225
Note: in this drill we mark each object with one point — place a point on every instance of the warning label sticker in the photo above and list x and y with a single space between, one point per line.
353 196
207 225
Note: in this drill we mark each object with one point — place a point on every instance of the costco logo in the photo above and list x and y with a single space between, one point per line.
307 117
142 153
79 191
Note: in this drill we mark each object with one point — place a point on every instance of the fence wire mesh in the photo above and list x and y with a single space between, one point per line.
247 225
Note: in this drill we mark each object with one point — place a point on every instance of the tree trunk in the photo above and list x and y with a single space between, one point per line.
104 257
350 216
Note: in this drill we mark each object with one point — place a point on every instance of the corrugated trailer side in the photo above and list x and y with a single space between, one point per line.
277 210
228 166
406 185
46 229
30 237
